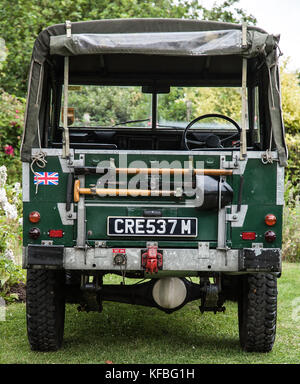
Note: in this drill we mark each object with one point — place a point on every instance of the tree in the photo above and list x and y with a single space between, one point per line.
22 20
290 96
223 12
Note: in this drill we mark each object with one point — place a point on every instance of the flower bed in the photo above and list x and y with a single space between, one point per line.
11 273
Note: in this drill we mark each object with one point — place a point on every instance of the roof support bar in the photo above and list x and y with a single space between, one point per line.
243 145
66 139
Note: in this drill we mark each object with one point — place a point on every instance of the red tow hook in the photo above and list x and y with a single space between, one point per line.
152 260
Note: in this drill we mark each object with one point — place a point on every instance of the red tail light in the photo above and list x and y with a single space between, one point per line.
270 219
248 235
270 236
34 217
56 233
34 233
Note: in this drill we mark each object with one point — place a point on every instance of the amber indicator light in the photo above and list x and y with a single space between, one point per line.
270 219
34 217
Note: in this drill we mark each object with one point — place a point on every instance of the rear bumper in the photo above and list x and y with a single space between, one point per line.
175 260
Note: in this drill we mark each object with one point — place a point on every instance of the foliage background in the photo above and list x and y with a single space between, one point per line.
22 20
20 23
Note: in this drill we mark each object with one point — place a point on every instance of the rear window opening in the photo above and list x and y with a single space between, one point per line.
126 117
93 106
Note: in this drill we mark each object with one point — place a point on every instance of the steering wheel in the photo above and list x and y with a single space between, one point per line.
201 143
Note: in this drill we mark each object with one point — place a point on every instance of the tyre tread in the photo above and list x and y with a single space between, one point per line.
45 309
259 328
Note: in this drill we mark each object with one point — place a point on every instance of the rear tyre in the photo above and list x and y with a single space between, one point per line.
45 309
257 312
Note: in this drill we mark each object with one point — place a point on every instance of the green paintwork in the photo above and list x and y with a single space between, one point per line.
50 219
45 201
259 193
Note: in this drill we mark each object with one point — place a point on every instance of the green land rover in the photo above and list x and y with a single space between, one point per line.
154 150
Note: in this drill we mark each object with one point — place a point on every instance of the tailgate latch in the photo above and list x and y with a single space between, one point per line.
152 259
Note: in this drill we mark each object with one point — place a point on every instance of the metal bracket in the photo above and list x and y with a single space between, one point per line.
79 162
71 215
100 244
151 244
225 164
244 35
47 242
68 28
69 164
257 245
232 217
236 217
66 217
203 250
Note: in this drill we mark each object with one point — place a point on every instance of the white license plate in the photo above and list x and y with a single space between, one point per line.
148 226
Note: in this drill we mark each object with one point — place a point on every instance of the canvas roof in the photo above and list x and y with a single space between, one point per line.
141 49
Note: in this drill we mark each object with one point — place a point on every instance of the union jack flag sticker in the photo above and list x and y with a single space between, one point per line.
46 178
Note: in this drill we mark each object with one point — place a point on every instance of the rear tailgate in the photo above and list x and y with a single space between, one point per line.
172 219
87 220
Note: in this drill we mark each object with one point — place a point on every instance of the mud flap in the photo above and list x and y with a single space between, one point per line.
45 256
264 260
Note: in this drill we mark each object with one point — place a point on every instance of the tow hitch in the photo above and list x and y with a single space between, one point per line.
152 260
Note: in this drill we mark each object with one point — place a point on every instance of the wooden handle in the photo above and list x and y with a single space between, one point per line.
145 192
76 190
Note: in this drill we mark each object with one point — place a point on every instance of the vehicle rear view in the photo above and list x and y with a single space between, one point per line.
153 150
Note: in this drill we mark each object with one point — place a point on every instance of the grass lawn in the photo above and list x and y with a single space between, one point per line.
127 334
